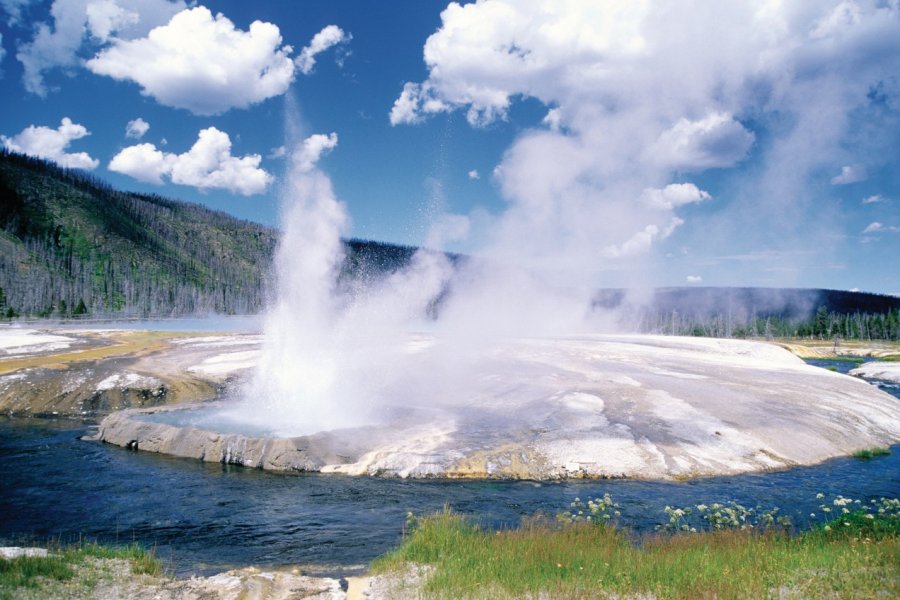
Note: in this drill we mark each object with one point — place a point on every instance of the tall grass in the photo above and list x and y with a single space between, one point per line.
585 559
69 564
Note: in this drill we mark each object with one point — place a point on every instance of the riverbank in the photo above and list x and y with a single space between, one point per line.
740 555
717 550
837 349
92 572
206 518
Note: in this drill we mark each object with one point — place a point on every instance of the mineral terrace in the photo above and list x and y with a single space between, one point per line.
583 406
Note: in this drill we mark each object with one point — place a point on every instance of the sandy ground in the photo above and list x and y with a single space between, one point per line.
112 579
88 373
841 348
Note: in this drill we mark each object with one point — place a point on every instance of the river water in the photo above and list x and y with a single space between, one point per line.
204 518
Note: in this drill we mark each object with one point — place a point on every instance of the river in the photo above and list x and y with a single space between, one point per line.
204 518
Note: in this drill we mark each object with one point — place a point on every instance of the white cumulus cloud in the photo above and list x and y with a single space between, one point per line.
202 63
207 165
693 279
278 152
473 174
136 128
850 174
673 195
51 144
73 22
641 241
874 199
332 35
105 17
144 162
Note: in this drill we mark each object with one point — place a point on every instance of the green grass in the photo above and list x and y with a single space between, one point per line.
26 572
581 560
869 453
69 565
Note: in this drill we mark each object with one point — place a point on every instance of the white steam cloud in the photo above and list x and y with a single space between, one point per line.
641 94
640 99
332 35
328 357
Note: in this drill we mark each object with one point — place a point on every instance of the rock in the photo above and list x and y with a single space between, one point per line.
10 552
251 582
403 585
885 371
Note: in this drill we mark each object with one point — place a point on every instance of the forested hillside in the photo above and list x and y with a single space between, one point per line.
71 245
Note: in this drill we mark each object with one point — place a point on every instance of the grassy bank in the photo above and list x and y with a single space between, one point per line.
853 554
73 571
870 453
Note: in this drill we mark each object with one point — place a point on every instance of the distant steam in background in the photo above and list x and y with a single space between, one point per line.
649 108
642 99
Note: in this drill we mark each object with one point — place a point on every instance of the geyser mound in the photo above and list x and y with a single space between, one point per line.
569 407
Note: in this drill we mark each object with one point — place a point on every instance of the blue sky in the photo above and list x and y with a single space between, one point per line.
742 143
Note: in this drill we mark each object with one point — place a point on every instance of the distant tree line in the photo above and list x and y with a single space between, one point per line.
822 325
757 312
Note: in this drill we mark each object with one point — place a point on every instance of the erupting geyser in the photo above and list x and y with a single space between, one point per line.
329 350
513 380
296 383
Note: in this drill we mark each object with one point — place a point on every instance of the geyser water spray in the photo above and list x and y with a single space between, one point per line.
328 355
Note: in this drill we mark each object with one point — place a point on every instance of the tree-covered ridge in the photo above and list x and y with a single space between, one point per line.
70 245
